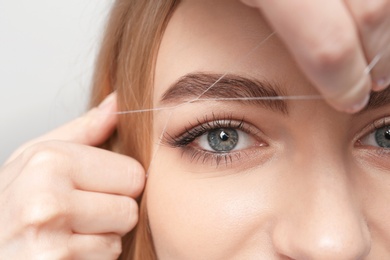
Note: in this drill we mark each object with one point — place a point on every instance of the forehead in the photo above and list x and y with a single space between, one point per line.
220 36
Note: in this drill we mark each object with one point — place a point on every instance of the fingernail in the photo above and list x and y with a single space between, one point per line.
381 84
357 107
107 102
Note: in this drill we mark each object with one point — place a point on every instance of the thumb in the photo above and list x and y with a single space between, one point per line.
93 128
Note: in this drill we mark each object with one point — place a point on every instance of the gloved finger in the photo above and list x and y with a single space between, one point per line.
323 38
373 22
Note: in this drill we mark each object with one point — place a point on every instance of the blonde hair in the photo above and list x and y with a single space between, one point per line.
126 64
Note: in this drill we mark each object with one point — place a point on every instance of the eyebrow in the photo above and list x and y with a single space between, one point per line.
231 86
224 87
378 99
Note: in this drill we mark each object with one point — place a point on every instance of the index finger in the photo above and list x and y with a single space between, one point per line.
103 171
322 37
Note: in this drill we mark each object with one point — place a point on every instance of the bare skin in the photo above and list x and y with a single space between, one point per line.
54 189
303 181
62 198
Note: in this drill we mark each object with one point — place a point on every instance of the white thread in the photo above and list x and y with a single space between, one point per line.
308 97
159 144
205 91
302 97
376 59
374 62
367 70
194 100
238 62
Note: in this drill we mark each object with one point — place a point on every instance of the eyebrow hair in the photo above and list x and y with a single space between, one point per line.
194 85
378 99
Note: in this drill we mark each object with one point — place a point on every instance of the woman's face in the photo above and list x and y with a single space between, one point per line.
259 179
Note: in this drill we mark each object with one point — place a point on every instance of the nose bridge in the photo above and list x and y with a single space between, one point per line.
322 219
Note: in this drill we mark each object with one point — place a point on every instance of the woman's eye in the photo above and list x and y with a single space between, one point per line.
224 140
380 137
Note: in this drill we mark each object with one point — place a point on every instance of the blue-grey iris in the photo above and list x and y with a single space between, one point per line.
223 139
382 137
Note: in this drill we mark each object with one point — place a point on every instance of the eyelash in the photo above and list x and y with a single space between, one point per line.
191 133
371 128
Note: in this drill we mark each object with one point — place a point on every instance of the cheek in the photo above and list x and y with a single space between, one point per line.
373 188
220 216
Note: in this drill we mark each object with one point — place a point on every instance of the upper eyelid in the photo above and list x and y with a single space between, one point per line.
207 126
368 129
384 121
203 127
220 121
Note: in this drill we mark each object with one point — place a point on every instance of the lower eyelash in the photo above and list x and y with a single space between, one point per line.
197 155
191 133
377 124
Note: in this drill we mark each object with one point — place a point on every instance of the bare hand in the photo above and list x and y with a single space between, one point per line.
65 199
334 41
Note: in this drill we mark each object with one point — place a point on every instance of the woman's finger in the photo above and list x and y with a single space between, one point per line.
81 167
103 246
107 172
93 128
96 213
323 38
373 21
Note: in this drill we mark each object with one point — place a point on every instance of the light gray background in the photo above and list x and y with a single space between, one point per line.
47 51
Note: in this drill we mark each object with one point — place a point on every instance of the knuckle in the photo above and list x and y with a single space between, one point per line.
44 254
114 245
374 12
41 210
45 154
336 47
47 160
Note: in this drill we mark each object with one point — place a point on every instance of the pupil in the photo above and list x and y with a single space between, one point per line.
387 134
223 136
382 137
223 140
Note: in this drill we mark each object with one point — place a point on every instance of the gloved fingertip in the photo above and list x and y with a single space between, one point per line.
381 84
358 106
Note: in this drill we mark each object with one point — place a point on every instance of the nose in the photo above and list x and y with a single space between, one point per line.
321 219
